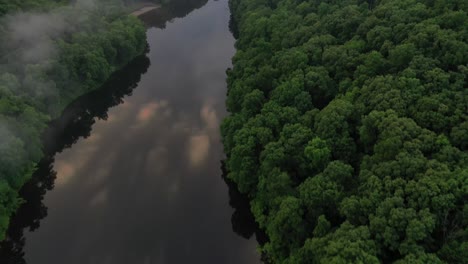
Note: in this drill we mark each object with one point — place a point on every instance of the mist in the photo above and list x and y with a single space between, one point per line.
29 46
33 35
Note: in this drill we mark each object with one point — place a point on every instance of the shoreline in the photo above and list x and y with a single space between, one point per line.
145 9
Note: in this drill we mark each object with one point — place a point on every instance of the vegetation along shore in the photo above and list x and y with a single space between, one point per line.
51 52
348 128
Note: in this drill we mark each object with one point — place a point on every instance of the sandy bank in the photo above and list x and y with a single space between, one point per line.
145 9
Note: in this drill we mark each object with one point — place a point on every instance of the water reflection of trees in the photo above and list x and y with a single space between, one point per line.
242 220
75 123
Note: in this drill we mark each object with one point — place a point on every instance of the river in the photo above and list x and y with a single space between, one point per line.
137 174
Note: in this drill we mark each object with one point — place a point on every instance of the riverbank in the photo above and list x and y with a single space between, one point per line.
73 67
143 8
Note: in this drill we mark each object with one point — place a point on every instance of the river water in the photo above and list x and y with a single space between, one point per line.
138 175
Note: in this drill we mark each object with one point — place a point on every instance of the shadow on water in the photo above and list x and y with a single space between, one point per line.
242 219
76 122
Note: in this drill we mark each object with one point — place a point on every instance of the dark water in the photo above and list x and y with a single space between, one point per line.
142 181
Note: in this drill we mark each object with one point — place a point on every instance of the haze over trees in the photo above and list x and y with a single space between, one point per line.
76 122
49 55
348 128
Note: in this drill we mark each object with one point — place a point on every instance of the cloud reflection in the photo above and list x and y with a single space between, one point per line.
210 118
149 111
203 137
67 168
65 171
100 198
199 147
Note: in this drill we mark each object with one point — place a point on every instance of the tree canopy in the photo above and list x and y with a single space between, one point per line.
348 128
72 52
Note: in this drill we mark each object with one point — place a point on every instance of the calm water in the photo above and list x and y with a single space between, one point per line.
142 181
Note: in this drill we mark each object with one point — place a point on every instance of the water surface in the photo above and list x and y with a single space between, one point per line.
144 185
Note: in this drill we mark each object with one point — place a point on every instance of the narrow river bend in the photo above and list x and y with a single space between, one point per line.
140 183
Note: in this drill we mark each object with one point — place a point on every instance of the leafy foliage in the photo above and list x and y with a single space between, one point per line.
10 6
348 128
34 92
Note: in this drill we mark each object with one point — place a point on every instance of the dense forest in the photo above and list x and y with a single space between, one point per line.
10 6
75 123
348 129
51 53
